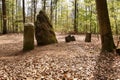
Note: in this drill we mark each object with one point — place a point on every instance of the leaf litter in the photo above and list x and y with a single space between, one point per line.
62 61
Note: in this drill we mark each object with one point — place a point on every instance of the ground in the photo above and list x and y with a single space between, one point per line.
75 60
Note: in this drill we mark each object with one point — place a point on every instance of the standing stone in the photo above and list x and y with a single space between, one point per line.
88 37
28 43
44 32
69 38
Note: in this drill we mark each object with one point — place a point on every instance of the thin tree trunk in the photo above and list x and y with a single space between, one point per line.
75 18
56 15
16 24
67 17
13 16
23 11
44 5
8 22
1 23
4 17
35 3
90 18
114 17
104 24
86 25
51 11
31 12
116 25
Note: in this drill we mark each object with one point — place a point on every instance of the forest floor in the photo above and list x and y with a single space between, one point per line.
75 60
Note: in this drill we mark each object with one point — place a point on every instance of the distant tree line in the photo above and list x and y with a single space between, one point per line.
77 16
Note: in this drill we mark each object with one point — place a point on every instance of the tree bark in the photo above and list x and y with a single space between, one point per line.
35 7
75 18
33 10
1 23
13 26
44 5
4 17
104 24
23 11
56 13
51 11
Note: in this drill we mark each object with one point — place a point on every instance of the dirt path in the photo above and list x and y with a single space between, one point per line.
70 61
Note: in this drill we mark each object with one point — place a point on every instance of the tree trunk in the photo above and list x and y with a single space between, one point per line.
104 24
13 27
35 6
23 11
90 9
44 5
16 24
75 18
1 24
113 10
33 10
4 17
86 25
51 11
56 13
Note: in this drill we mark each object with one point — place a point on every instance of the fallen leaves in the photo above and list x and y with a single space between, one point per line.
63 61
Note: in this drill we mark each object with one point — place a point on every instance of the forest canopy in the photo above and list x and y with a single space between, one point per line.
65 15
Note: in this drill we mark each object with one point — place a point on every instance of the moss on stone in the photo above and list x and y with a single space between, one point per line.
28 42
44 31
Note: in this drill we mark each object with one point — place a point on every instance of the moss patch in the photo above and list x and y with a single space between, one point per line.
28 43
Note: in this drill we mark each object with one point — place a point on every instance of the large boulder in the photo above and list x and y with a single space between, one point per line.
44 32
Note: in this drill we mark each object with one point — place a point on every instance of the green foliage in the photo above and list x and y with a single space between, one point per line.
64 19
63 15
14 15
114 14
86 16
